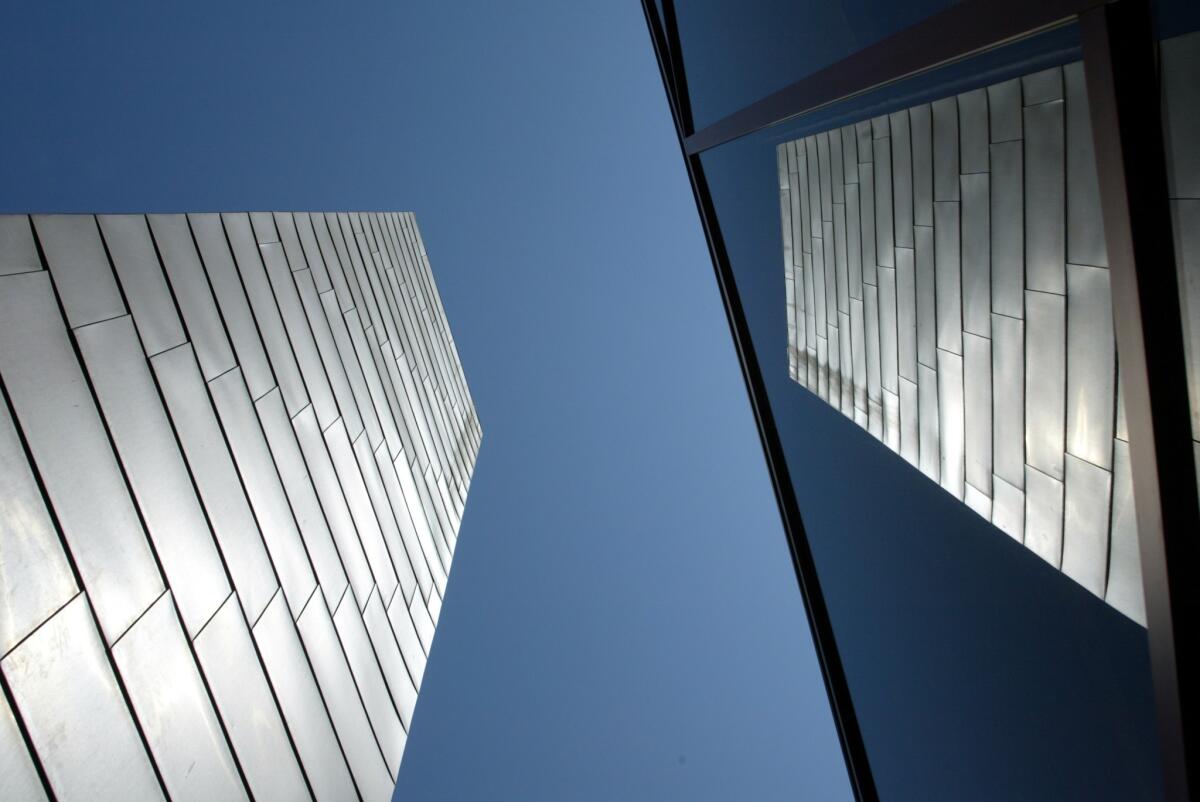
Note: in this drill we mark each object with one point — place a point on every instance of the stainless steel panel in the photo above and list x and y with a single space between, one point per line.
1179 65
871 326
1004 107
858 347
840 258
372 688
247 706
1043 515
891 420
303 708
347 470
879 127
978 501
884 235
973 131
82 274
216 478
819 307
977 382
155 468
18 252
814 186
354 373
910 445
1091 365
1041 87
173 707
849 156
1008 508
976 250
345 708
835 368
866 208
424 527
945 149
1008 403
174 239
854 252
862 131
266 311
947 277
264 227
838 175
950 422
231 298
1185 220
77 721
927 399
926 293
422 623
1045 381
825 177
1007 222
18 777
369 468
399 682
378 397
906 314
1085 524
921 124
1124 589
314 238
888 337
285 224
1085 224
142 281
326 347
831 307
1045 181
406 638
902 179
310 519
71 449
35 576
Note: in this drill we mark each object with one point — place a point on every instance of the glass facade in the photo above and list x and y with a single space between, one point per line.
234 453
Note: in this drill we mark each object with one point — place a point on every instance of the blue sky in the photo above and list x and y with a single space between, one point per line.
622 619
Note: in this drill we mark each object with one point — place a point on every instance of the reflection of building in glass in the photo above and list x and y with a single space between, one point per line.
948 289
234 455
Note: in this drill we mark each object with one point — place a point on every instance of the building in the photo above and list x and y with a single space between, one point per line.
984 426
235 451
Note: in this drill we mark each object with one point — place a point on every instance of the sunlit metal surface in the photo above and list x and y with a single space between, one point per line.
234 452
985 354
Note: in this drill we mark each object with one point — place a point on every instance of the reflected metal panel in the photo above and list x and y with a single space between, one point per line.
973 131
72 707
976 267
902 179
1124 590
1043 515
1007 229
406 638
1045 381
323 337
945 149
172 704
951 422
1085 224
1088 490
18 252
142 281
1045 200
947 276
399 681
906 313
18 776
82 274
1091 365
1004 110
977 388
884 236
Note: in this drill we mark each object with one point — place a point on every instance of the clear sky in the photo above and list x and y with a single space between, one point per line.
622 620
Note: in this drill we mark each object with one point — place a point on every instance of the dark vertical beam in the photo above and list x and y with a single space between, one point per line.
820 626
1123 90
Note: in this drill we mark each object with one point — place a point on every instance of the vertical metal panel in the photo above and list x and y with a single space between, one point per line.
354 374
973 131
1185 220
264 227
830 273
926 284
1045 381
374 384
345 708
950 421
422 623
216 477
399 683
866 208
1085 524
1043 515
368 676
155 468
888 339
921 124
858 354
18 776
980 503
906 314
871 326
173 707
1180 64
301 703
945 149
947 276
836 162
849 156
1091 365
35 577
891 420
1008 508
318 248
825 177
142 280
927 399
840 258
174 239
263 488
1004 107
82 274
72 708
231 298
285 223
72 452
1124 589
910 442
884 237
977 386
976 250
1042 87
1044 198
18 252
406 638
835 367
902 179
854 252
1007 222
293 473
326 347
246 705
400 559
1085 225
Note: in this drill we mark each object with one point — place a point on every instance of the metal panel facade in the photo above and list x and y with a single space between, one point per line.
234 454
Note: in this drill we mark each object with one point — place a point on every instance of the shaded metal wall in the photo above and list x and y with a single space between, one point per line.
234 455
